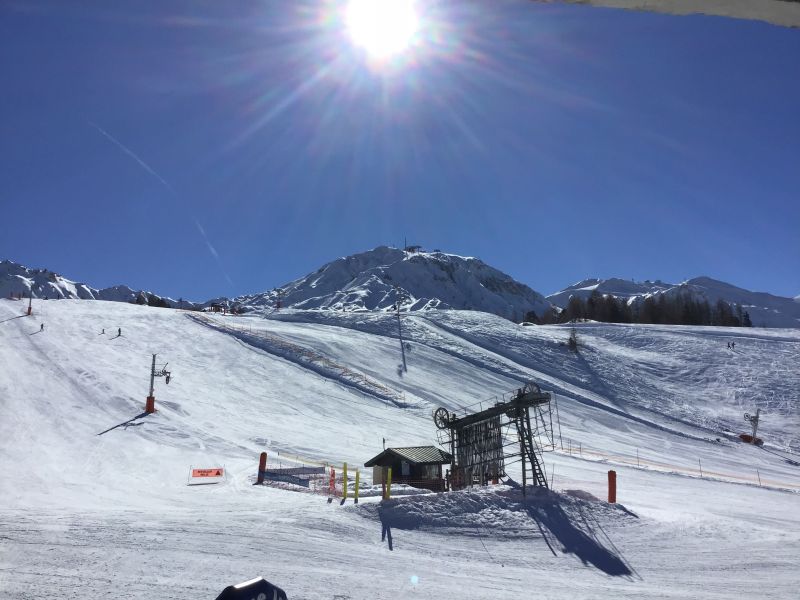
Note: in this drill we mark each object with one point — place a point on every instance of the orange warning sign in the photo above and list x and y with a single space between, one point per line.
208 472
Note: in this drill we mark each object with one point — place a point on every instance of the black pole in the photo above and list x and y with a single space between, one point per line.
400 335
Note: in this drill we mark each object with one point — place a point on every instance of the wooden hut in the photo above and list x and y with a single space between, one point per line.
417 466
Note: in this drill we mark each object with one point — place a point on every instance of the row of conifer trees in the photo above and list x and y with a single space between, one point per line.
679 309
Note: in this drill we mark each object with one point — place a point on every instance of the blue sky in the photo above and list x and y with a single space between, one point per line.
217 148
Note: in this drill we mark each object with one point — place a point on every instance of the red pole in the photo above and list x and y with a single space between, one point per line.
333 483
612 487
262 466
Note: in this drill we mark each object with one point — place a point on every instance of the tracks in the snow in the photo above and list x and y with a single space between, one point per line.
309 359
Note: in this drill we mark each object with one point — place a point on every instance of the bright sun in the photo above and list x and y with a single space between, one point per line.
382 27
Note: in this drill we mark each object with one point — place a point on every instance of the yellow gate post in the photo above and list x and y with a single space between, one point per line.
356 490
344 482
388 483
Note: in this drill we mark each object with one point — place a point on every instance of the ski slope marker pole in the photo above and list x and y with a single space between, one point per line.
262 466
612 487
344 484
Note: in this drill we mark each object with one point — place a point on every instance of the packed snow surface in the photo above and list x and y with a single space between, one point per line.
95 501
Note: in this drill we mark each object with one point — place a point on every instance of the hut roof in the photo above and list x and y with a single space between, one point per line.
418 455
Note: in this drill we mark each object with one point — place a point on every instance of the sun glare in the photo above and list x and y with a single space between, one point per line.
383 28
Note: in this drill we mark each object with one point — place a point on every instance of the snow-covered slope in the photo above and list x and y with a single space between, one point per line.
765 310
377 279
95 498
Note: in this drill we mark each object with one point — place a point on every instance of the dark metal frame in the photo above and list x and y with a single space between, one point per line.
485 442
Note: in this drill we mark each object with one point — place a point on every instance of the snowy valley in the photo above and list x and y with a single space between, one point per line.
95 501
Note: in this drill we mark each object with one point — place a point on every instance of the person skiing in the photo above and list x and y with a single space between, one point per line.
41 328
119 332
103 332
729 345
733 345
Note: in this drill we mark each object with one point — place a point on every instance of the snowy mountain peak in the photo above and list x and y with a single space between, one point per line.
419 280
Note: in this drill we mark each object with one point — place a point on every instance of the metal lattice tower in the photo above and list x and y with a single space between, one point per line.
518 428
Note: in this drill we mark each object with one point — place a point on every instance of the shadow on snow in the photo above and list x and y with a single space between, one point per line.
126 424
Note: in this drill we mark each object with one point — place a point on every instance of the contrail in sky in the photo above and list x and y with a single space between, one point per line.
131 153
166 184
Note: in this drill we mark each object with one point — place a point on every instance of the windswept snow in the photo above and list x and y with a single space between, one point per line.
95 501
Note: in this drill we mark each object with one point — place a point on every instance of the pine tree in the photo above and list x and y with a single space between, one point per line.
576 309
572 343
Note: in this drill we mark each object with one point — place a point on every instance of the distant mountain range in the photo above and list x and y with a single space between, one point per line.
418 280
765 310
16 280
372 280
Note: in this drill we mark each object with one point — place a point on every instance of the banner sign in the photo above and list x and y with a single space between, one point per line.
206 476
297 471
272 476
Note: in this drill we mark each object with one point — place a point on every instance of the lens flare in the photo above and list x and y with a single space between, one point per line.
383 28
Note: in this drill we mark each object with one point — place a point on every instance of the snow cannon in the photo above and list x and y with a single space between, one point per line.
749 439
753 420
255 588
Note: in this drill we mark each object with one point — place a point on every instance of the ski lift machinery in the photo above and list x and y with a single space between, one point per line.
484 443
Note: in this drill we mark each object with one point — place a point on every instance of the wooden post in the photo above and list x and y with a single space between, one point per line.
388 484
612 487
262 466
